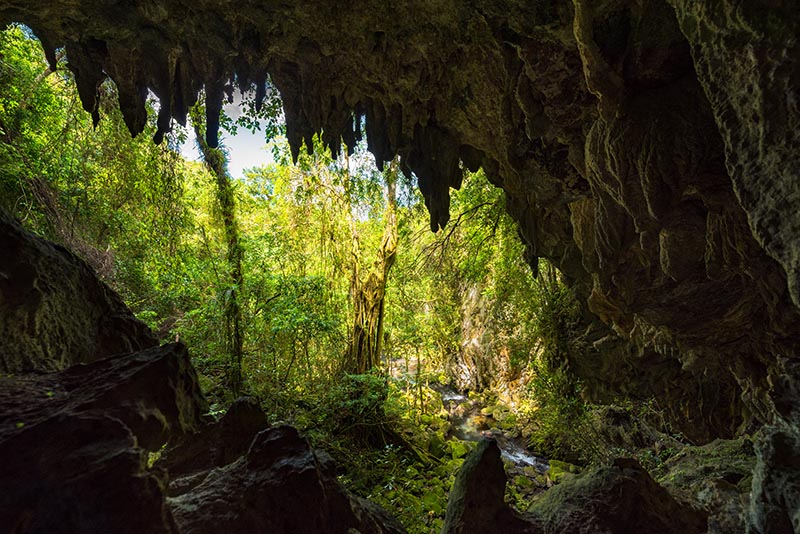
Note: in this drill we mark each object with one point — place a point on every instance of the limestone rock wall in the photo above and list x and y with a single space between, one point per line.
54 311
648 148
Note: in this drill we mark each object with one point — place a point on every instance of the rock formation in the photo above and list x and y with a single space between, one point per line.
645 147
620 498
41 281
73 443
648 148
617 499
477 500
238 475
74 446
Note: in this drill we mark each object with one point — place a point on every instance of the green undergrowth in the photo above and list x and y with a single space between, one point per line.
388 443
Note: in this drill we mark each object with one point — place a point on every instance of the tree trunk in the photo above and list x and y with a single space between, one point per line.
369 291
215 161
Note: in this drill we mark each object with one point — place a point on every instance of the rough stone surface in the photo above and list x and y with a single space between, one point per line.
191 456
154 393
280 485
54 312
747 57
716 477
79 474
775 493
775 504
621 498
649 148
72 443
476 503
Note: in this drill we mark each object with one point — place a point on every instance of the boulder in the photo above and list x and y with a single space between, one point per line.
618 499
154 393
190 457
54 311
79 474
715 477
476 503
279 485
73 443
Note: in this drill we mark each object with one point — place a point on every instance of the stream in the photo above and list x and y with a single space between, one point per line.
469 424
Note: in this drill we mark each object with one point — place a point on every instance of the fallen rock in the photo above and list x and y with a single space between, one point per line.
618 499
79 474
280 485
54 311
154 393
71 443
476 504
191 456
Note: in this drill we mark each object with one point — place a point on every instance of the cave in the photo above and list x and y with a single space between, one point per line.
649 149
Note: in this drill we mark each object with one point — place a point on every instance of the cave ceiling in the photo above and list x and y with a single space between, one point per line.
649 148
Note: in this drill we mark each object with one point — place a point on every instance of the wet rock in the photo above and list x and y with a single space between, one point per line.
618 499
476 503
280 485
54 312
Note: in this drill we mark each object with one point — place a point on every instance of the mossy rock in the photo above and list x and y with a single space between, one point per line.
459 449
523 482
620 497
729 460
556 475
435 500
560 471
508 423
565 466
437 445
454 465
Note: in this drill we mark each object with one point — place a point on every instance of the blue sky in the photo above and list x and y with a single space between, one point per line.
245 149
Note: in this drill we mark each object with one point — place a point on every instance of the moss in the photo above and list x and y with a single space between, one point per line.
729 460
459 449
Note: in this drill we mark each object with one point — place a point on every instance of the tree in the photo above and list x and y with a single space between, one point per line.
368 289
216 162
